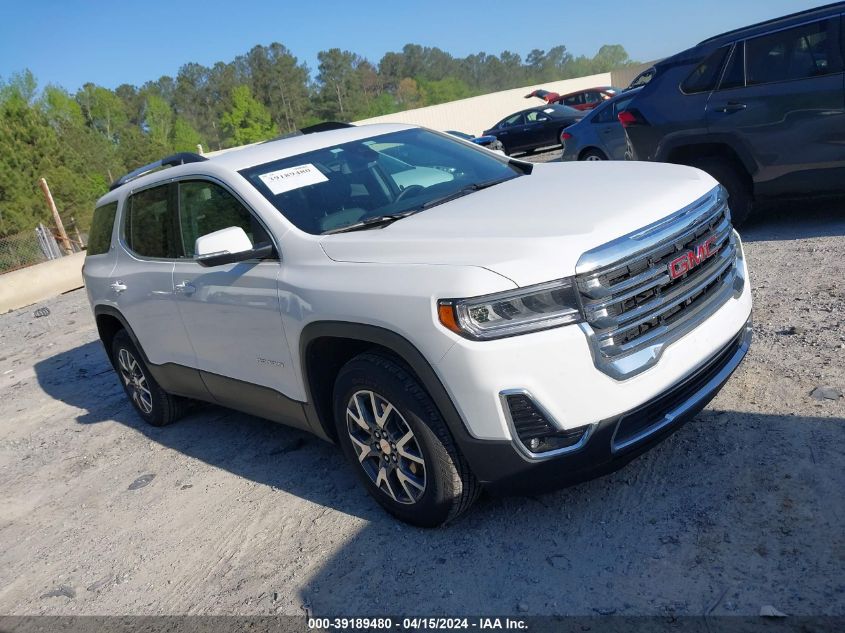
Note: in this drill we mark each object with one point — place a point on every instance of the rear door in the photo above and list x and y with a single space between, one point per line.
231 312
782 97
609 131
101 255
142 280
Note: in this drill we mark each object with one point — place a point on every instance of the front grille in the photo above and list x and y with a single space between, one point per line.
641 422
634 307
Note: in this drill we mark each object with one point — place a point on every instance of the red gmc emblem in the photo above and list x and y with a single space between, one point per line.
685 262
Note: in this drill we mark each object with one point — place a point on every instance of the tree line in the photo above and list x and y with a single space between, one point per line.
82 141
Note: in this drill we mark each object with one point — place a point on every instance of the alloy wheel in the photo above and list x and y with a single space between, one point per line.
386 447
135 380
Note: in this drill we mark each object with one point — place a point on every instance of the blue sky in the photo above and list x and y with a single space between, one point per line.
111 43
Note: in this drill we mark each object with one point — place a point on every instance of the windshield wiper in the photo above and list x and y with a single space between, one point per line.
461 193
373 222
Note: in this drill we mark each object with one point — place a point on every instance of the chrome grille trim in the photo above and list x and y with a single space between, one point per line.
633 309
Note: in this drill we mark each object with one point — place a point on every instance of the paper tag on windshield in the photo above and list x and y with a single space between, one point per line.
549 110
292 178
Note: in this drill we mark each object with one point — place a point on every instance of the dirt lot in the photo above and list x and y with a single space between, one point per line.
741 508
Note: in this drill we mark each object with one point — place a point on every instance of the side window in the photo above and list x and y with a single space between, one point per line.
574 100
205 207
516 119
604 115
734 76
592 97
706 74
809 50
536 117
149 223
99 238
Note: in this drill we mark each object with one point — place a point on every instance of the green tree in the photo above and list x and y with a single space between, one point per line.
248 121
103 109
443 90
184 138
340 89
158 118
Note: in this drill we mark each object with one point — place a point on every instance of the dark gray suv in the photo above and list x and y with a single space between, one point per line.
762 109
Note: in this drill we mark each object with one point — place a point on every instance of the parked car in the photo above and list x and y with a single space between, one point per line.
599 135
761 109
587 99
534 128
489 141
450 333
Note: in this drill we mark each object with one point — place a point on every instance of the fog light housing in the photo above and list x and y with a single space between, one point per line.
534 430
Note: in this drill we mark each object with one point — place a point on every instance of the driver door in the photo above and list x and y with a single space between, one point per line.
512 132
231 312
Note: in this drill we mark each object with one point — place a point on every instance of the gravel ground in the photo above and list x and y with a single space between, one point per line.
224 513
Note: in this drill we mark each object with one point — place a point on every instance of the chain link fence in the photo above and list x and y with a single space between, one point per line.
28 248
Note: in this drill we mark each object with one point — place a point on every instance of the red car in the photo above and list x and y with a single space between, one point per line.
581 100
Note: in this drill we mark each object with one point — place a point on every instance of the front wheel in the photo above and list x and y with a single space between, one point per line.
398 443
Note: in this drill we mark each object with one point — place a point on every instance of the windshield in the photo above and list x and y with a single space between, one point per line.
341 185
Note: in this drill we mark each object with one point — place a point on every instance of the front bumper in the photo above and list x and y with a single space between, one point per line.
614 441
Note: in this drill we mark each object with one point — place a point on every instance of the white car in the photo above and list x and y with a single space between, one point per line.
450 333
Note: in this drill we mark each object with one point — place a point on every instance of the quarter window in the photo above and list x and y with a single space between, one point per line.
205 207
809 50
99 238
149 223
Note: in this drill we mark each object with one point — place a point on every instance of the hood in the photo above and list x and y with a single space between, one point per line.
533 228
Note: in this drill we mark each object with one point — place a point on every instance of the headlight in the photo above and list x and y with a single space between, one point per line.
513 312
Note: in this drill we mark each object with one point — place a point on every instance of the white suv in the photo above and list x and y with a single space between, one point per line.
454 319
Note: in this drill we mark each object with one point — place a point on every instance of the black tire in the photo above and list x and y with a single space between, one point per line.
734 180
593 154
449 487
156 407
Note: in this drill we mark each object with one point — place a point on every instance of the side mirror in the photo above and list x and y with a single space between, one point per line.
228 246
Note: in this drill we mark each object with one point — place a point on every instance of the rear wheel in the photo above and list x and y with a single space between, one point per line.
398 443
152 403
593 155
731 178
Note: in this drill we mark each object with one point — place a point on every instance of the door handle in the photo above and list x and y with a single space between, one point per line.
186 288
117 286
731 106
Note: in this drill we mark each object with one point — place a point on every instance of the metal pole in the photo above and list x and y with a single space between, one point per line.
58 220
79 244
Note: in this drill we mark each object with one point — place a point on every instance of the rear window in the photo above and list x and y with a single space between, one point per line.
150 223
706 74
99 238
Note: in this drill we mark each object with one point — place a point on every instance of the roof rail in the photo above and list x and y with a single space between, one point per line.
790 16
169 161
325 126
